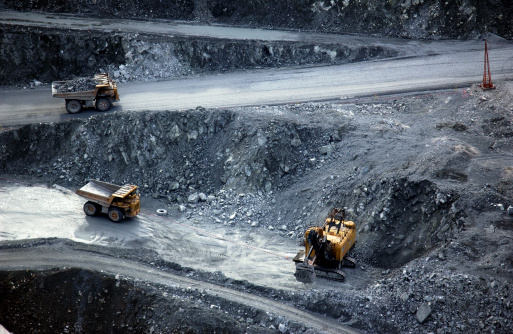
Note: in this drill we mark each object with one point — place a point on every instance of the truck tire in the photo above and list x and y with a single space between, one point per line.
91 209
102 104
161 212
115 215
73 106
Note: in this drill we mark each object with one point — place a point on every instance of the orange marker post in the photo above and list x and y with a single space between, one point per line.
487 77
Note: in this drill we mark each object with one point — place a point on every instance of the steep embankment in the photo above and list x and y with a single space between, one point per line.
45 54
406 18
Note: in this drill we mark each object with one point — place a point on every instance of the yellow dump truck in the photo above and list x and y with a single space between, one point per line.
116 201
99 92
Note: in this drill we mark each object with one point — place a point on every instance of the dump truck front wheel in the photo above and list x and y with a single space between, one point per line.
103 104
91 209
115 215
73 106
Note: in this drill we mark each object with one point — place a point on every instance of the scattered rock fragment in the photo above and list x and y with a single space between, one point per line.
510 210
193 198
423 312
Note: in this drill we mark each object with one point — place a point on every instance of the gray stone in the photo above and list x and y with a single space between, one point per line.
295 142
326 149
202 197
423 312
175 132
405 296
282 328
510 210
182 208
193 198
193 135
174 186
500 206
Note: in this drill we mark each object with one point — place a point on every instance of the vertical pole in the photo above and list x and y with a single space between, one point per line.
484 69
487 76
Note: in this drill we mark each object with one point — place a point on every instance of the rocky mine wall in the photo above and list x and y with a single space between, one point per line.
177 156
47 55
168 152
406 18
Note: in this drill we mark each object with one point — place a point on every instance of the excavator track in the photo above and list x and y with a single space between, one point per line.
349 262
330 273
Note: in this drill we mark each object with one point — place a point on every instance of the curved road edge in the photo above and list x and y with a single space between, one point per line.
36 258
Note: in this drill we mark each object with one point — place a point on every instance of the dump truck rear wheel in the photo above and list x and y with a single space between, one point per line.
115 215
91 209
102 104
73 106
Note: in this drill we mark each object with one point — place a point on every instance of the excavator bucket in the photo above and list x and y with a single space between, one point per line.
305 273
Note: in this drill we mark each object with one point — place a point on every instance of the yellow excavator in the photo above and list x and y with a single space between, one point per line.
326 249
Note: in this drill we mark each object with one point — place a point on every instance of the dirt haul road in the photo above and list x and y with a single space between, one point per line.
33 258
174 241
457 63
263 87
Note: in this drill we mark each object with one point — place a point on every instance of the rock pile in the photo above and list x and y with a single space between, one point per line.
78 85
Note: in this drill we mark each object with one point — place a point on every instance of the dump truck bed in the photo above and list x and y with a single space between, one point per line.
82 95
103 83
103 192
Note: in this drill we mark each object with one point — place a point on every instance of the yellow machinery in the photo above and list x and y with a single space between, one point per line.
101 95
116 201
326 249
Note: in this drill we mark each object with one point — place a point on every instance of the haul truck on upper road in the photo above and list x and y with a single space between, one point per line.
99 92
116 201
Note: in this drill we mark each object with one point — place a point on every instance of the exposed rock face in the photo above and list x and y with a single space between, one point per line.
49 55
407 18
